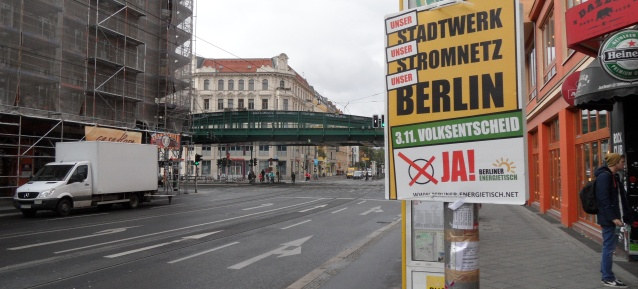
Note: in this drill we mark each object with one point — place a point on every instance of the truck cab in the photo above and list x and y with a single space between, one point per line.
56 186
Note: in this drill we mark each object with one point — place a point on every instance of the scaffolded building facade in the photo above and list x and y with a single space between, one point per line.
69 64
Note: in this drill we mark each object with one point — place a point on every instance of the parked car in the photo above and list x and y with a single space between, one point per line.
357 175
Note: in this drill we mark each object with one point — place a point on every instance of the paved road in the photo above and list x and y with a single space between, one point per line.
231 236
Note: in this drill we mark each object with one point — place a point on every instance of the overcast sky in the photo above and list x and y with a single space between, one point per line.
337 45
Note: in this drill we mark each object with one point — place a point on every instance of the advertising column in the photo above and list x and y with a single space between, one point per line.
455 128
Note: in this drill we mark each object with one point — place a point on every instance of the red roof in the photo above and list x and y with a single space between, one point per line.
237 65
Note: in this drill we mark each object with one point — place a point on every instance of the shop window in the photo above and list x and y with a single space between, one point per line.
592 121
535 173
555 192
549 48
592 143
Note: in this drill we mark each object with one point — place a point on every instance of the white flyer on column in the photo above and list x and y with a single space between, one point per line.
464 256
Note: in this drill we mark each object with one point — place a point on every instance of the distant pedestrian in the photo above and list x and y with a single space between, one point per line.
292 177
611 197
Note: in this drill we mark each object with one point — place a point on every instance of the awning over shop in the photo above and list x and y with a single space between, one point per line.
597 90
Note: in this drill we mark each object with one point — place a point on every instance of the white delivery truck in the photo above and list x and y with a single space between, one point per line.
91 173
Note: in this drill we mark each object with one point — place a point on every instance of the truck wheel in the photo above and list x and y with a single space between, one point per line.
30 213
134 201
64 207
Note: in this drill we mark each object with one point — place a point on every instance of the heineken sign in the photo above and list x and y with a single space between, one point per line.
619 55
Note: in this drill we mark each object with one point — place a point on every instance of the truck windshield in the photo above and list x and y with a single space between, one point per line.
52 173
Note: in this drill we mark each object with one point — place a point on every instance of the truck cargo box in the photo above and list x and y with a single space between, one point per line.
116 167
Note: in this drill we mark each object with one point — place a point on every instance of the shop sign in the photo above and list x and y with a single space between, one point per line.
569 87
619 55
589 20
93 133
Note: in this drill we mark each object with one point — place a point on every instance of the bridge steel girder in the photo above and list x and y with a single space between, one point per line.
285 128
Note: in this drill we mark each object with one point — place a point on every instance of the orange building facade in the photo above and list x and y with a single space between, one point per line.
565 144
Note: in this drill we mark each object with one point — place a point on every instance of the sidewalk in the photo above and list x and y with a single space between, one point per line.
519 248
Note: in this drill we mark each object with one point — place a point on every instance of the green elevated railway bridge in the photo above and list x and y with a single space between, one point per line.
285 128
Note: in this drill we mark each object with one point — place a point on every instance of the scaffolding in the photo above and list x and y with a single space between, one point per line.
69 64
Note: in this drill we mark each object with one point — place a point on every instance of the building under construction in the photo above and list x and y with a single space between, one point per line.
70 64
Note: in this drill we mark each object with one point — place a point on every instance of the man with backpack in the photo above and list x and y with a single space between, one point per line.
611 197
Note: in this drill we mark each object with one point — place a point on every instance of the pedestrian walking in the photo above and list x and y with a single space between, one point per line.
292 177
613 209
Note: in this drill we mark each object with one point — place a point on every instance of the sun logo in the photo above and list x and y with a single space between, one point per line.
511 168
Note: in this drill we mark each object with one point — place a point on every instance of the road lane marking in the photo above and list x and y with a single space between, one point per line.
97 234
202 253
184 228
294 225
315 207
258 207
359 203
373 210
337 211
282 251
192 237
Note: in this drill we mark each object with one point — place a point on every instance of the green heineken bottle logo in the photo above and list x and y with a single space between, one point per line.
619 55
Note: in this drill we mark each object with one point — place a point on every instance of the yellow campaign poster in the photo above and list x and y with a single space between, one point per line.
453 77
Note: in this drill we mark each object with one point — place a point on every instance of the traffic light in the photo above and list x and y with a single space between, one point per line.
375 121
219 162
198 158
383 120
255 162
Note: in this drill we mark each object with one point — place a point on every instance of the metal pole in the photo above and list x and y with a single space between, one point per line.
196 172
461 246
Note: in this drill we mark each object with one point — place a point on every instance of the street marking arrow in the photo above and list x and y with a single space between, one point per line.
260 206
193 237
315 207
202 253
283 251
96 234
373 210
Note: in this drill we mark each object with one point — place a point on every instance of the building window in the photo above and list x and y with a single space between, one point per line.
231 103
240 84
220 104
264 103
530 63
281 84
240 103
549 48
206 104
251 103
264 84
206 84
251 84
285 104
572 3
231 85
220 84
